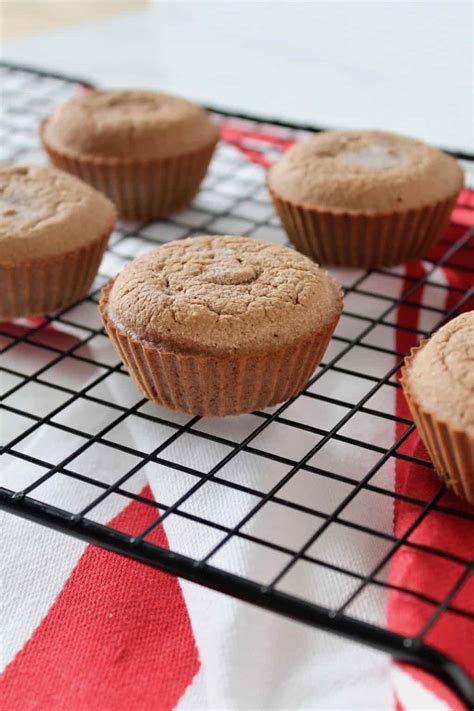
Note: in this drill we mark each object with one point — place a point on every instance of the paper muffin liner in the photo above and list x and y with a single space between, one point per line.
43 285
141 190
451 448
213 385
364 240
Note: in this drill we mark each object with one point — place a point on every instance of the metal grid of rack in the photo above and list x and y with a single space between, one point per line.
234 495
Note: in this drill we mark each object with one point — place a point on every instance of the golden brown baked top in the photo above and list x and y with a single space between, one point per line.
370 171
133 125
441 374
45 212
218 295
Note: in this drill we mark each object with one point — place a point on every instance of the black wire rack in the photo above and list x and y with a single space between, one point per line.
75 423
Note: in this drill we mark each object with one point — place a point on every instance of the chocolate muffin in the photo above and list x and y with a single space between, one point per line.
146 150
218 325
438 382
53 233
364 198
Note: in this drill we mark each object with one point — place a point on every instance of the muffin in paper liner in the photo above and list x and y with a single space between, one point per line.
44 285
146 150
141 190
363 240
364 198
220 385
53 233
451 448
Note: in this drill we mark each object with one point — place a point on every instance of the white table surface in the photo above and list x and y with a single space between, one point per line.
404 66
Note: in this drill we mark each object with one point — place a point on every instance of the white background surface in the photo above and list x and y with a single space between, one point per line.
405 66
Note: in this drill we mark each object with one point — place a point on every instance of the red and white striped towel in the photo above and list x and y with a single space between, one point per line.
86 629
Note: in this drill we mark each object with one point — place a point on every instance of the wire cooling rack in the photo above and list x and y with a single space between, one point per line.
250 505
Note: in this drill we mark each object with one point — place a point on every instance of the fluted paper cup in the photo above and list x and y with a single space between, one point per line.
47 284
363 240
451 448
217 385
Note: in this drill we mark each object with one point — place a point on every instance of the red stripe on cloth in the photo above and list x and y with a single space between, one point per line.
463 213
118 637
415 569
431 575
398 704
247 142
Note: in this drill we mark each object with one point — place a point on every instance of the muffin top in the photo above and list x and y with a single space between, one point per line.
45 212
375 171
133 125
217 295
441 374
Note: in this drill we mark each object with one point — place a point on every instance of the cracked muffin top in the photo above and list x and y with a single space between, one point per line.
374 171
441 374
45 212
129 125
217 295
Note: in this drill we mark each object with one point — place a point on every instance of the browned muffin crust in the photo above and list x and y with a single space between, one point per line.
441 373
129 125
45 213
220 295
364 171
